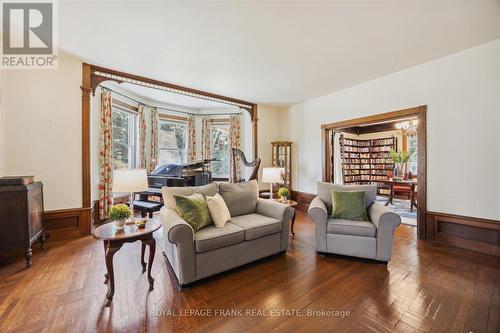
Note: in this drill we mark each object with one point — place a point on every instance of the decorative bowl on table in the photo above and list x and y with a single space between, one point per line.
141 223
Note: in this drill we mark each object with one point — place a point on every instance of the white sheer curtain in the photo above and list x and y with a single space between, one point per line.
337 160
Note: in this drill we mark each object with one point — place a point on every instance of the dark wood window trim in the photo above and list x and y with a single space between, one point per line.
420 112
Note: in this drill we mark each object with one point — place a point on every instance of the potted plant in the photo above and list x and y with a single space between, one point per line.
283 193
119 214
400 159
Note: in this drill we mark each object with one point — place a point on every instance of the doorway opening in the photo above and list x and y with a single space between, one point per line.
387 150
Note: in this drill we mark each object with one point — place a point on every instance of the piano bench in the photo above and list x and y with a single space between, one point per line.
147 207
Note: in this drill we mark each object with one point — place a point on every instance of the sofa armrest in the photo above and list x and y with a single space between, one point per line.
179 245
274 209
386 222
279 211
175 228
319 214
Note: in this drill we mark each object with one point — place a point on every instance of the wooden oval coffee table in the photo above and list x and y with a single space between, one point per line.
290 203
113 240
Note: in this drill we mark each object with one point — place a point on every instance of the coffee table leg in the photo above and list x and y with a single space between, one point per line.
293 221
152 247
143 249
106 275
110 252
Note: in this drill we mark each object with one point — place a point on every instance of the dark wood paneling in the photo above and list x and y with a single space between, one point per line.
480 235
303 199
67 223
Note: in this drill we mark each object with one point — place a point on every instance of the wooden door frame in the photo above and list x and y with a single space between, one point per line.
93 75
420 112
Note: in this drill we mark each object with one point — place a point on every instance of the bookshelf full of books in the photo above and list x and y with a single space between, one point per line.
366 161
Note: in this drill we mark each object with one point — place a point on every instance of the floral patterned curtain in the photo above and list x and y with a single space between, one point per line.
154 139
105 156
234 142
191 151
142 136
206 137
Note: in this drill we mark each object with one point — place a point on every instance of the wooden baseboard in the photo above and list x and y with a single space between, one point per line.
470 233
67 223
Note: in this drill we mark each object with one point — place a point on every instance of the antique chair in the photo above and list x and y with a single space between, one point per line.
371 239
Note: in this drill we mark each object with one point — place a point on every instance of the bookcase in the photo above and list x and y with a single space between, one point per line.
366 161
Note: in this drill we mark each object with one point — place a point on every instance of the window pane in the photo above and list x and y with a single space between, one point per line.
412 161
120 150
220 150
172 142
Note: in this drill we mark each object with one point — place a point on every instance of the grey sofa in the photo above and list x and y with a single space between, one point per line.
372 240
258 228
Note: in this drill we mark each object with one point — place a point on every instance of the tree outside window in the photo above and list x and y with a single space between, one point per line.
172 142
412 161
220 150
124 141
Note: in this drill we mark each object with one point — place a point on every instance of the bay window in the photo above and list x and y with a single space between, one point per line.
172 142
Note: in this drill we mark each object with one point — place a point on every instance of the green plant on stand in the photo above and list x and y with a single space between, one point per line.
119 214
283 193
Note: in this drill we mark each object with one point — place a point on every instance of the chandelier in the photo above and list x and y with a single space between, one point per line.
409 127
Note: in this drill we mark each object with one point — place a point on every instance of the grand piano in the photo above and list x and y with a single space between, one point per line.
173 175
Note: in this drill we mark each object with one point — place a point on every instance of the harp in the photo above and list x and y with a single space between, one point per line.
255 164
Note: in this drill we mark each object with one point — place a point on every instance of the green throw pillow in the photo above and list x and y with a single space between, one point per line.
349 205
193 209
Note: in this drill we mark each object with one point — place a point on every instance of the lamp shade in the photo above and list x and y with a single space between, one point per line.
130 180
272 175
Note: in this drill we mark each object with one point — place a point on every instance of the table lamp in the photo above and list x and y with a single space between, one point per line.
130 181
272 176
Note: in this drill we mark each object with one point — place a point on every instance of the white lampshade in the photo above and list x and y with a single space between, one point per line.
272 175
130 180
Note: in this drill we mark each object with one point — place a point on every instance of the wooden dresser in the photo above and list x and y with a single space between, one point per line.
21 210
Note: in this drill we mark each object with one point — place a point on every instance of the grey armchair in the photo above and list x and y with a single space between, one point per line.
372 240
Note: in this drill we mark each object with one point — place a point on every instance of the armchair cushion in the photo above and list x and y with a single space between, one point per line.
256 225
211 237
349 205
240 198
348 227
325 192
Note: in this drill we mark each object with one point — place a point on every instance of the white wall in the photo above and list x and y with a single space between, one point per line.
462 92
269 130
43 129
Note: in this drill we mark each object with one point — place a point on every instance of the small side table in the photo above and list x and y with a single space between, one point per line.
290 203
113 240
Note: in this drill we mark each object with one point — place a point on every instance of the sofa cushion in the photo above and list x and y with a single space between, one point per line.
325 192
211 237
240 198
168 192
348 227
256 225
193 209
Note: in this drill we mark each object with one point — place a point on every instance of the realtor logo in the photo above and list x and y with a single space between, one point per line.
28 35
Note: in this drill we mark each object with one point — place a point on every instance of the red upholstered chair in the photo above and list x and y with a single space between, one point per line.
402 189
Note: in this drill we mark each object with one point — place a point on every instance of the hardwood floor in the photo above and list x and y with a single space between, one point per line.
426 287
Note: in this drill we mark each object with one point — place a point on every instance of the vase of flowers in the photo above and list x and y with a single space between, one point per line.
283 193
399 159
119 214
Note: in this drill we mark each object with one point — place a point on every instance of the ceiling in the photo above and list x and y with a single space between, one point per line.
272 52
